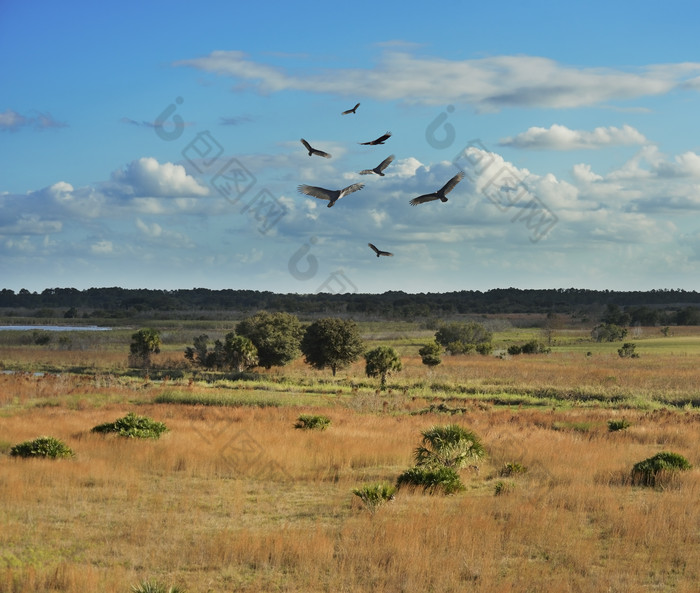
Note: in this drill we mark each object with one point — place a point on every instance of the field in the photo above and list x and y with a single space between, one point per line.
234 498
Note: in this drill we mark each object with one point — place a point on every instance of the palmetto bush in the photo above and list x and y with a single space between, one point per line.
133 426
658 470
155 587
42 447
449 446
432 479
375 495
312 422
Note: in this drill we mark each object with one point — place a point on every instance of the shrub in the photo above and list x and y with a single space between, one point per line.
449 446
502 487
133 426
432 479
615 425
312 422
42 447
155 587
512 468
627 350
375 495
654 471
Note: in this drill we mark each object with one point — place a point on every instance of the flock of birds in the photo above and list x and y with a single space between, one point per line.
333 195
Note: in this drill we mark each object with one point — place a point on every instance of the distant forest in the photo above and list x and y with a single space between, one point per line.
664 306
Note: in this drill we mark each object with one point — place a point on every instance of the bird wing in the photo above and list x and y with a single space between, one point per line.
308 146
351 188
423 199
450 185
385 163
316 192
321 153
366 171
382 138
373 248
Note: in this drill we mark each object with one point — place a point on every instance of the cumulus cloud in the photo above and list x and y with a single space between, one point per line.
489 84
12 121
146 177
558 137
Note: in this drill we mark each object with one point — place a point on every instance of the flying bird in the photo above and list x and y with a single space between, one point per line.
441 193
313 151
379 169
379 251
379 140
333 195
353 110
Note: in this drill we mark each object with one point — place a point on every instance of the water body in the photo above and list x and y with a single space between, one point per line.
55 328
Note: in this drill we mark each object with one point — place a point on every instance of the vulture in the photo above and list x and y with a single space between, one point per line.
353 110
313 151
332 195
379 169
379 140
441 193
379 251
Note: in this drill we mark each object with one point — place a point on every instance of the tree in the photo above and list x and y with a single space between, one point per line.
332 343
430 354
381 362
144 343
276 336
460 338
608 332
235 352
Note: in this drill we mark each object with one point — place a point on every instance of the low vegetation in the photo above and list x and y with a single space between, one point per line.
312 422
45 446
659 470
133 426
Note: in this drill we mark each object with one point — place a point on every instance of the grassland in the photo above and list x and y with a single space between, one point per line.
234 498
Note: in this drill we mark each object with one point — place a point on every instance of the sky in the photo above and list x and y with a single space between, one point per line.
157 145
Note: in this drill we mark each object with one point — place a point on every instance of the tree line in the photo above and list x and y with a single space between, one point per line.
664 306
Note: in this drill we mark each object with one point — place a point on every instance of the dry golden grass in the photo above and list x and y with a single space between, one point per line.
237 499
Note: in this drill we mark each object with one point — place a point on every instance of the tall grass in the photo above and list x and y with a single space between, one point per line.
236 498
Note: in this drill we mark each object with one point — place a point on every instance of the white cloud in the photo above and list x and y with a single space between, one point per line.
558 137
490 83
146 177
102 247
12 121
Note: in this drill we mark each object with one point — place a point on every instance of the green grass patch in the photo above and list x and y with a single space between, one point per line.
133 426
44 446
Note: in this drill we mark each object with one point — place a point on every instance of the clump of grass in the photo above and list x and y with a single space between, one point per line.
133 426
615 425
432 479
656 471
42 447
502 487
375 495
312 422
512 468
155 587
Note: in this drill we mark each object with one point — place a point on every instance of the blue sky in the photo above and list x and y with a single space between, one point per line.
157 145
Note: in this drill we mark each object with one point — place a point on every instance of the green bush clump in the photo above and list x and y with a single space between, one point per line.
501 487
615 425
449 446
133 426
656 470
155 587
433 479
42 447
375 495
312 422
512 468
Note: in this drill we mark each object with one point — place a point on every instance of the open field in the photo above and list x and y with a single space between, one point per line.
234 498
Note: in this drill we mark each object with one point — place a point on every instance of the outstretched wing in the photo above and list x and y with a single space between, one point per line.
315 192
382 138
450 185
423 199
385 163
321 153
374 248
366 171
350 189
307 145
